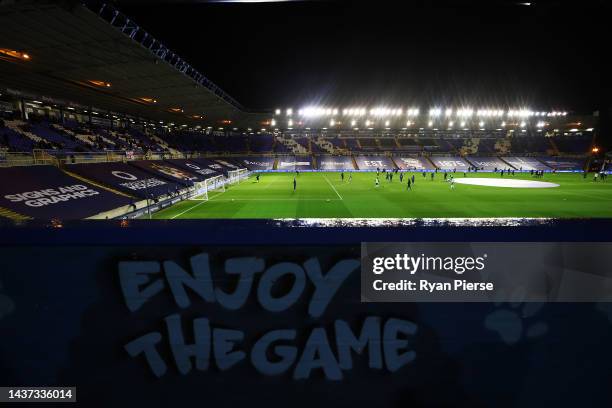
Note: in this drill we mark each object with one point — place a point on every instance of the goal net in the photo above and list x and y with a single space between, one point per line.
236 176
212 186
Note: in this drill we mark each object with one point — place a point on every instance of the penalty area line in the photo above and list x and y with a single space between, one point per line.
278 199
205 199
197 205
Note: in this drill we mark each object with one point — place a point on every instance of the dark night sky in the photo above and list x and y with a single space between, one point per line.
545 56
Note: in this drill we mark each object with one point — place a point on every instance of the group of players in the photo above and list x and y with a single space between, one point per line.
410 180
448 176
598 176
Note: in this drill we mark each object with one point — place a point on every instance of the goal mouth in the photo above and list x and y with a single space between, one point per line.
236 176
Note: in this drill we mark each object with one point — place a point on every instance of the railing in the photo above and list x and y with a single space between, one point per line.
36 157
44 157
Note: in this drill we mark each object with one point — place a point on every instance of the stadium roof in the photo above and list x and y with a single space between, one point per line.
92 55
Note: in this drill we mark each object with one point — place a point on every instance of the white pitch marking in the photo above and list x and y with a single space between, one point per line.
197 205
279 199
332 186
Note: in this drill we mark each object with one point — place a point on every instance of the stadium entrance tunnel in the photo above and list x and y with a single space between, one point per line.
508 183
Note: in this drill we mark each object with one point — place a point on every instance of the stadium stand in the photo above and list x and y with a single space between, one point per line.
125 178
193 141
563 163
408 144
17 142
338 144
502 146
291 163
367 144
255 162
525 163
304 143
333 163
261 143
487 145
429 145
450 163
316 149
387 143
352 144
577 143
451 145
93 140
489 163
168 171
74 137
233 143
323 145
227 163
45 192
373 162
290 145
529 144
470 146
193 167
62 141
210 164
413 163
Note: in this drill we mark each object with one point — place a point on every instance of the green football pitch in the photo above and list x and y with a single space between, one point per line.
325 195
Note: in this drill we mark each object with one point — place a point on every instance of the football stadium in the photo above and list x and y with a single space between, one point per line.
305 203
135 131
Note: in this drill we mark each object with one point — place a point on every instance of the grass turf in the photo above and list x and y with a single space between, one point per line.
325 195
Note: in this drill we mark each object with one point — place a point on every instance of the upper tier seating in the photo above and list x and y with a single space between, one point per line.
573 143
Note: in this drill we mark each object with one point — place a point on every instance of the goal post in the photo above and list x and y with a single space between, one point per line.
236 176
211 185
